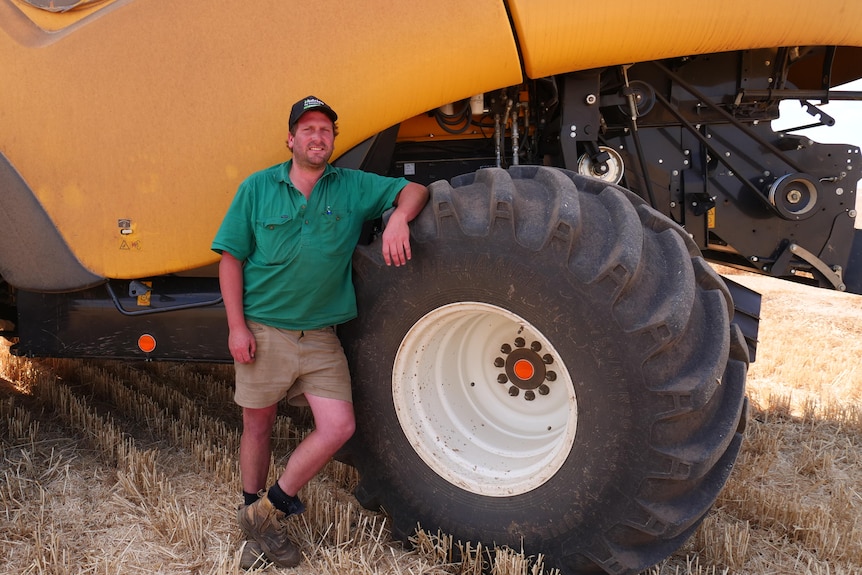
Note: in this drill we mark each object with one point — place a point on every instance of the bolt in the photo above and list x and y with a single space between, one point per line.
794 196
506 348
514 391
536 346
502 378
591 99
529 395
551 376
520 342
544 389
852 213
547 359
499 362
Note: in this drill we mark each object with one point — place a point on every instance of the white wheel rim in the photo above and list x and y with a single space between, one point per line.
464 423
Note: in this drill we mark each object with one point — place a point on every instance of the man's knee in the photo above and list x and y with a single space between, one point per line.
339 427
258 422
348 427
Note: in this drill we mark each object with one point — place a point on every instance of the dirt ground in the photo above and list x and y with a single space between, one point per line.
113 468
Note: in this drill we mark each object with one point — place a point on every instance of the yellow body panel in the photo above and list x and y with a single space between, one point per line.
153 112
561 35
134 121
54 21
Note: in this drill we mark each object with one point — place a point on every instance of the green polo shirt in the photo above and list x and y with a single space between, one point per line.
297 254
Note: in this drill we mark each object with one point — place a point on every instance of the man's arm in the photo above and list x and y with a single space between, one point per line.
240 340
396 236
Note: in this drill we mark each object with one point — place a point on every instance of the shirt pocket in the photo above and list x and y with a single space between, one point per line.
339 231
278 239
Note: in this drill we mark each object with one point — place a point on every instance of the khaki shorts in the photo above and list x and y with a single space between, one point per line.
292 363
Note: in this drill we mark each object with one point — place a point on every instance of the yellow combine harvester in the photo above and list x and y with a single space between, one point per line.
565 373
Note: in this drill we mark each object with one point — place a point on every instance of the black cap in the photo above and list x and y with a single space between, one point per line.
308 104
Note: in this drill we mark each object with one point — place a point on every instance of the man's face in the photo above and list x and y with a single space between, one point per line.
313 141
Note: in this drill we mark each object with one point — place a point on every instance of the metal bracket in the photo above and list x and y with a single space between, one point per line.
825 119
833 276
138 288
581 117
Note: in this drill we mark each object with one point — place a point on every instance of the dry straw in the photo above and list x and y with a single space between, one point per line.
132 468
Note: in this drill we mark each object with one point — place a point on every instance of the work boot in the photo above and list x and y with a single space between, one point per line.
263 523
252 556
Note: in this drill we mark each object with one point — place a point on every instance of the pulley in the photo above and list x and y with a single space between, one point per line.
794 196
643 95
607 165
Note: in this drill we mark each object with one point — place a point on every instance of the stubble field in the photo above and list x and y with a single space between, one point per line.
112 468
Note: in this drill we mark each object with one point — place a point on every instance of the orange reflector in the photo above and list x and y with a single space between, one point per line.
523 369
146 343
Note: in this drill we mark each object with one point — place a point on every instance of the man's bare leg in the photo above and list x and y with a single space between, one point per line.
334 424
254 447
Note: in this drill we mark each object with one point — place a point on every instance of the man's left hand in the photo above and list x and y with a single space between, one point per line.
396 241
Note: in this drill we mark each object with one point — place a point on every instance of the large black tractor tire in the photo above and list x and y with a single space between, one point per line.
555 371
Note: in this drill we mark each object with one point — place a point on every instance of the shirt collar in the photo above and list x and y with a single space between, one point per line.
283 173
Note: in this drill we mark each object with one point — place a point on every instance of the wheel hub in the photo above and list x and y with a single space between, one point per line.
524 369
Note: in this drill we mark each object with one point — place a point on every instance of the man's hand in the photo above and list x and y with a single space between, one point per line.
396 236
242 344
396 241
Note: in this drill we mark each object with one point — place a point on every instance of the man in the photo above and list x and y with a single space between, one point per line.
285 274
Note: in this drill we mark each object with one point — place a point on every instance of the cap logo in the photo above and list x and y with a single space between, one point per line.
306 105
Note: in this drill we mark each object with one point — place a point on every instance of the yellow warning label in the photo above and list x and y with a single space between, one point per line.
710 218
144 298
